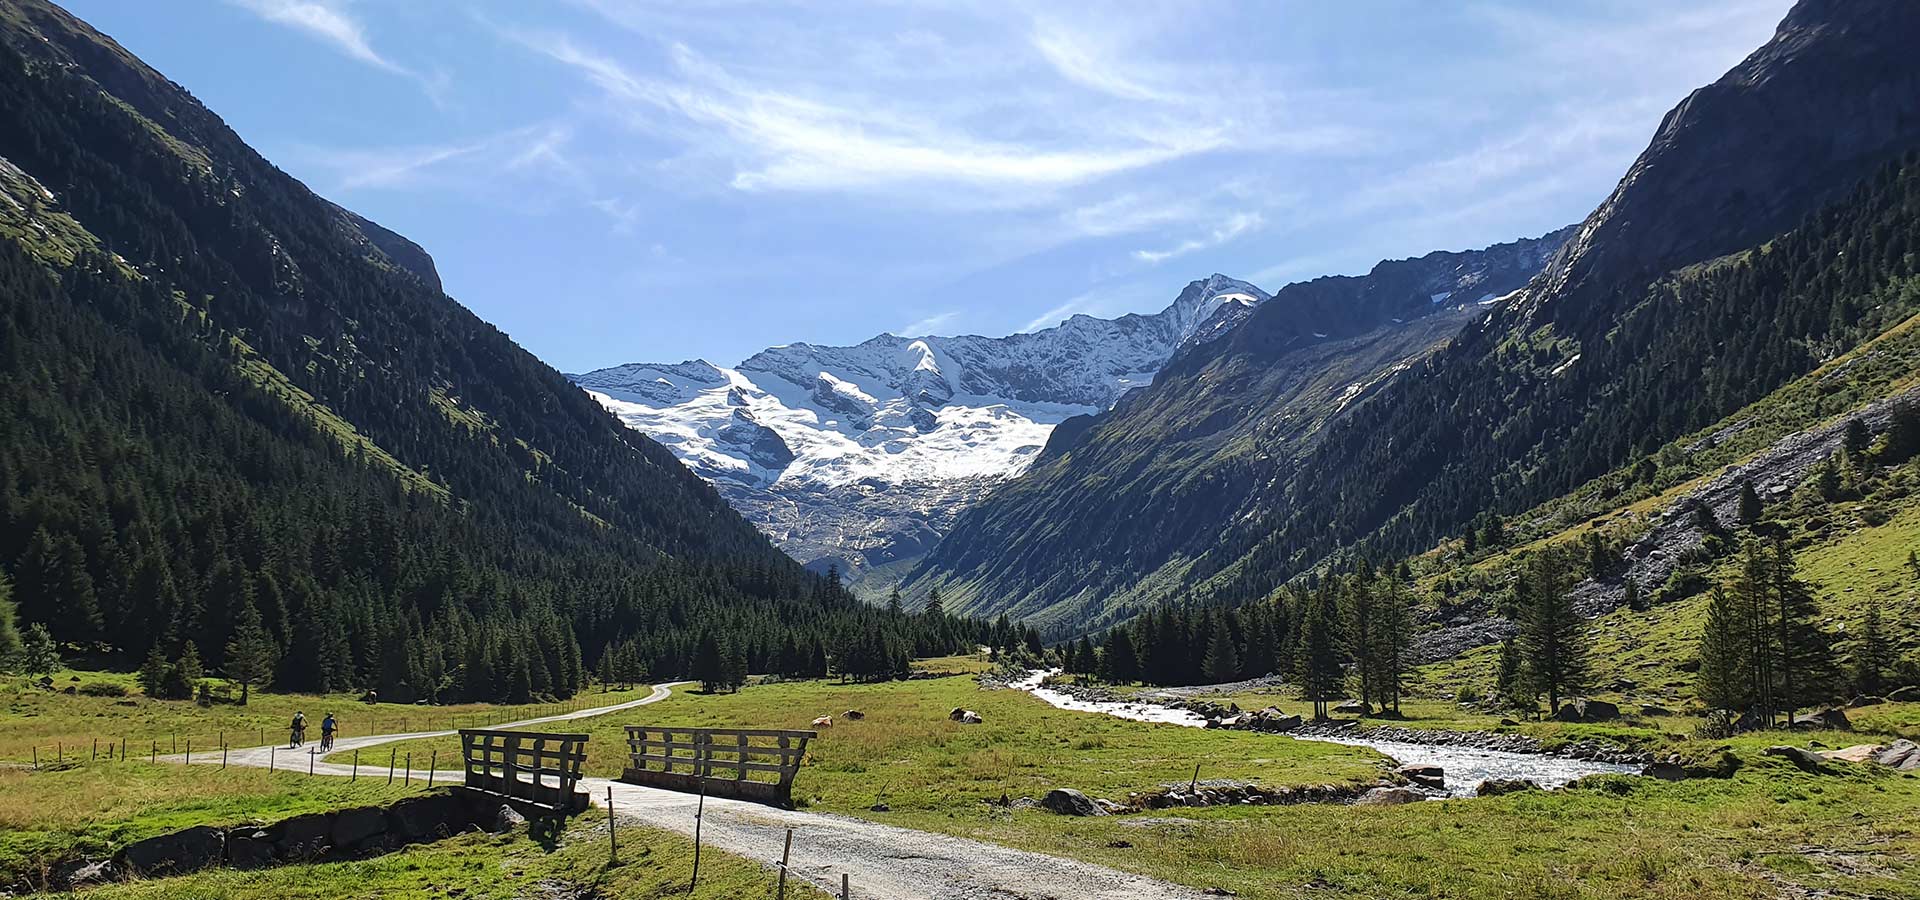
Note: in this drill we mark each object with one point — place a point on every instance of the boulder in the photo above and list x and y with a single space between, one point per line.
1652 710
1353 708
249 848
1857 753
1495 787
1070 802
1424 775
358 827
506 819
1389 796
1807 760
1831 718
1902 754
190 850
853 715
1908 694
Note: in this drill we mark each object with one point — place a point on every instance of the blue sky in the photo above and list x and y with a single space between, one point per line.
621 180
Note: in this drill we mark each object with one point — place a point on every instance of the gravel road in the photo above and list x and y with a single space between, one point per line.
881 861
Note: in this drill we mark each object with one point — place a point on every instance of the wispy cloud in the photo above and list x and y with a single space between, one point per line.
1079 58
1079 304
786 141
1233 227
927 325
332 23
531 150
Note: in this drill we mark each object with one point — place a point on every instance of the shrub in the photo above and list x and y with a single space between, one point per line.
1467 694
103 689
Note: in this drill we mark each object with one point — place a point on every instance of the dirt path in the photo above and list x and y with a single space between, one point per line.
882 861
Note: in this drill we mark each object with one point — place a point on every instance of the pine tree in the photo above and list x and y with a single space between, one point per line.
156 675
1359 628
709 663
38 653
1552 635
1724 645
9 631
1857 438
1396 638
1750 509
894 607
186 674
252 654
1872 653
1319 664
1222 662
1806 651
1118 662
1510 683
936 609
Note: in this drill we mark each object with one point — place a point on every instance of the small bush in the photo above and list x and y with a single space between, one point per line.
103 689
1467 694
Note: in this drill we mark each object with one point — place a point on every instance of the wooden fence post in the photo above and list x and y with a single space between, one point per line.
408 777
356 765
189 751
392 757
785 852
844 895
310 758
271 751
699 814
36 757
433 763
613 839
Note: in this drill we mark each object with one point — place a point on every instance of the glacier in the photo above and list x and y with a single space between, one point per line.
860 456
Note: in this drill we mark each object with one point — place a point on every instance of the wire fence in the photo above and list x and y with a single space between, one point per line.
415 720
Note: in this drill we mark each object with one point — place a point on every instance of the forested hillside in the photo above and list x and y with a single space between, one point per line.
245 425
1678 301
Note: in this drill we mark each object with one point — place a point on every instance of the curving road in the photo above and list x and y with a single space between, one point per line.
882 861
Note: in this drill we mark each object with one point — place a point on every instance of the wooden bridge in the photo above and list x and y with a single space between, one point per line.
531 766
724 762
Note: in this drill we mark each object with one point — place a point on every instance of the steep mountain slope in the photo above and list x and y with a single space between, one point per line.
1122 494
861 456
1615 349
227 401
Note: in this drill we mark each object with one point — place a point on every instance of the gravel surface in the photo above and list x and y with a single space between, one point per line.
882 861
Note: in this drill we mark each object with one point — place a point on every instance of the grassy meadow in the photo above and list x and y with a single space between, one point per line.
56 723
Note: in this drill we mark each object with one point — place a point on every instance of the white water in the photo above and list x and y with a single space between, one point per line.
1465 767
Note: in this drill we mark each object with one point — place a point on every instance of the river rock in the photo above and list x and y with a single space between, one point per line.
1070 802
1832 718
1902 754
190 850
1353 708
1424 775
1494 787
1389 796
1807 760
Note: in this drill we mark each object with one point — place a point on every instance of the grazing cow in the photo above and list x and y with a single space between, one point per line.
853 714
823 722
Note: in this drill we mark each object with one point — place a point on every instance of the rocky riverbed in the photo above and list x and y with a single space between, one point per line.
1468 757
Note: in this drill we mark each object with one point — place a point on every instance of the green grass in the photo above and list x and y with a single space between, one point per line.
653 864
68 725
94 808
1626 837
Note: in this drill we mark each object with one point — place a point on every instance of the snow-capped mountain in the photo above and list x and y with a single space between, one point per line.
861 456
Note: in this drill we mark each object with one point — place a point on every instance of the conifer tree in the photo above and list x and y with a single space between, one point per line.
9 630
893 603
1552 634
1396 638
38 653
1360 630
1872 653
252 654
1222 663
1724 645
1319 664
184 679
1806 651
1510 682
156 675
1750 509
1118 662
935 609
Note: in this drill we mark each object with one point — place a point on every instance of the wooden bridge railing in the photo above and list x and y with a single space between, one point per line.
538 767
742 763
